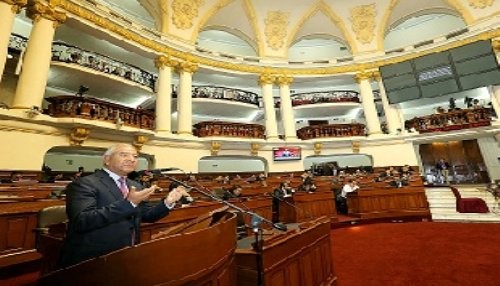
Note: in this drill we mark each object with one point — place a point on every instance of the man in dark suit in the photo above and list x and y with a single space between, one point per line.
105 209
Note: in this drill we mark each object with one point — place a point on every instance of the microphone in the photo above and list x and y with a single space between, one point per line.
160 171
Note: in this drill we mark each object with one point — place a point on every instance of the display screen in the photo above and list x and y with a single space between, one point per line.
458 69
286 153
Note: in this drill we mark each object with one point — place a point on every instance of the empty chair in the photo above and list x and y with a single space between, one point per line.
469 205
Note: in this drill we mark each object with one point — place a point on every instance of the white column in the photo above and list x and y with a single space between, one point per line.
495 99
163 119
391 113
36 63
287 116
266 82
372 121
8 11
184 99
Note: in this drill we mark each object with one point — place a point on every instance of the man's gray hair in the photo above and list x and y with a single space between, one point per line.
112 149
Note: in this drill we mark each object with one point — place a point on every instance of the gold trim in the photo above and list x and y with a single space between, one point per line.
215 148
266 79
284 80
317 148
496 46
17 5
254 69
254 148
78 135
165 61
250 11
187 66
207 16
139 141
362 76
40 9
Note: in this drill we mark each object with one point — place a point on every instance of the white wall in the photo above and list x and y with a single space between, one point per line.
490 150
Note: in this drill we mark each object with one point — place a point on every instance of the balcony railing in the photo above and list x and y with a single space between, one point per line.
335 96
229 129
17 43
331 130
96 109
451 120
225 93
70 54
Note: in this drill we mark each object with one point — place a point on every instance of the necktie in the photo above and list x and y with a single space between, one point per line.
123 187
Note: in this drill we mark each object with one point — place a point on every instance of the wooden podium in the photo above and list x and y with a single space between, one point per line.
302 207
298 257
194 253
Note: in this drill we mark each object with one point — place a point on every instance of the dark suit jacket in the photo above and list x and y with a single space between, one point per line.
100 220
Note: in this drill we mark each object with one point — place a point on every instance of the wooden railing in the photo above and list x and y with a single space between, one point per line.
451 120
331 130
229 129
93 108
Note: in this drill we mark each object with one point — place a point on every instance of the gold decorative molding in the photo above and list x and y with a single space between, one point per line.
184 11
376 76
496 46
317 148
362 76
186 66
78 135
266 79
215 148
355 145
139 141
122 31
16 4
165 61
363 22
254 148
284 80
276 23
480 4
50 10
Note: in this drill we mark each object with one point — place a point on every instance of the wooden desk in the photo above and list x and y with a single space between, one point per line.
200 255
388 202
295 258
308 206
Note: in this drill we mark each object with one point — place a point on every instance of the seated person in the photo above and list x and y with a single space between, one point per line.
405 170
349 187
233 192
186 198
307 186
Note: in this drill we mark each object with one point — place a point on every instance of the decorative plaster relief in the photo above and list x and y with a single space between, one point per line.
363 22
276 23
480 4
184 11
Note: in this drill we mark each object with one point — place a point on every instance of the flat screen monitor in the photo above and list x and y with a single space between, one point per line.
287 153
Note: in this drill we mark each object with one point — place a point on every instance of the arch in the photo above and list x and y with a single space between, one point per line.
69 158
328 38
384 26
236 33
343 160
211 12
322 7
232 164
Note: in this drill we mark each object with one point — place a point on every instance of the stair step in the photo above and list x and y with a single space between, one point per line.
442 205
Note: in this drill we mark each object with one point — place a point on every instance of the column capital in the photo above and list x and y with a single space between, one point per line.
165 61
266 78
46 9
362 76
187 66
284 80
376 76
496 46
16 4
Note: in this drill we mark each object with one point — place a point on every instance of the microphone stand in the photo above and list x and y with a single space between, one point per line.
256 219
255 222
309 215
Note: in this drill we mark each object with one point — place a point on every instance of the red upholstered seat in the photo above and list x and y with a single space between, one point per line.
469 205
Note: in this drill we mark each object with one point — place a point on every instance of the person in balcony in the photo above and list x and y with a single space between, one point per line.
443 169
